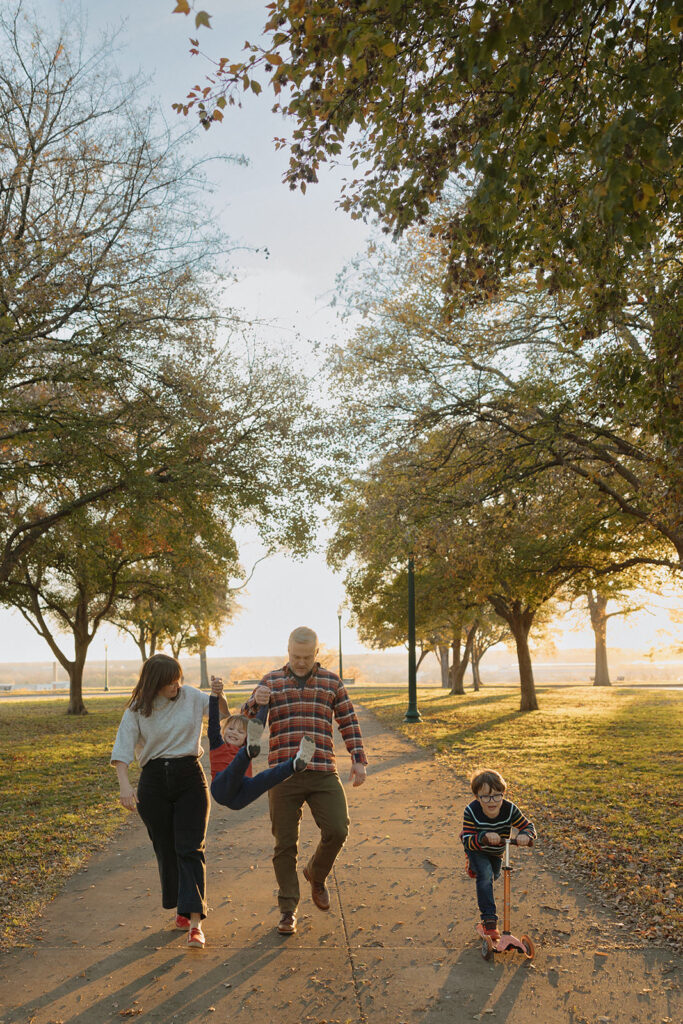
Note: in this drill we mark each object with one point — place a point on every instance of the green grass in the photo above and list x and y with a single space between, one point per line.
59 797
599 771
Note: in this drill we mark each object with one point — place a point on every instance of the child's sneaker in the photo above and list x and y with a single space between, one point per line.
195 938
304 754
254 733
182 923
491 929
468 869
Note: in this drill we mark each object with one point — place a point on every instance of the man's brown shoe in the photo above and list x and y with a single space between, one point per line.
287 924
319 893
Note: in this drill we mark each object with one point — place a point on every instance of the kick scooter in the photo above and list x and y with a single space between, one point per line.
508 942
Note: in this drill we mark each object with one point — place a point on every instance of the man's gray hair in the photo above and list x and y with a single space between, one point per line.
303 635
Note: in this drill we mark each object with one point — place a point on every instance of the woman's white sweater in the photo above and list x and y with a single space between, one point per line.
174 729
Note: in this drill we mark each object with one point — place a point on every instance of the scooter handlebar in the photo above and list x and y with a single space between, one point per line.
513 842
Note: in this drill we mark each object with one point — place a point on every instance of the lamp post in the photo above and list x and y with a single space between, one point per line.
106 668
412 714
339 615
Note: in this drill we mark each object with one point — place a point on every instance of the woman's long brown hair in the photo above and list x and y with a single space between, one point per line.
156 672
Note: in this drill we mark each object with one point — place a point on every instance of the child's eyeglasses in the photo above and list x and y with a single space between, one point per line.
491 798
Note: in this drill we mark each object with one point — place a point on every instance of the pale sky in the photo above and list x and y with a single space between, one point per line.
309 242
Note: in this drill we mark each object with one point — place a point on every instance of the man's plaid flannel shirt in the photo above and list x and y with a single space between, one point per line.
294 710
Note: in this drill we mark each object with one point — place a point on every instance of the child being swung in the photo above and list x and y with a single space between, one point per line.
486 825
231 749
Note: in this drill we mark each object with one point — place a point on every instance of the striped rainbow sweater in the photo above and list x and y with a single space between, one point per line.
476 824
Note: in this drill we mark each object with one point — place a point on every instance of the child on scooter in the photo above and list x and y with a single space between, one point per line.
231 749
486 825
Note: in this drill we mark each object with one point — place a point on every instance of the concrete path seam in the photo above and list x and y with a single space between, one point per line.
362 1016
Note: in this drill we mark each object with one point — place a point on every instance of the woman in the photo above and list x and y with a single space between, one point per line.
162 727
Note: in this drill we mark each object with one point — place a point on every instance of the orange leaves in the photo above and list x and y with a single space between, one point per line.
201 17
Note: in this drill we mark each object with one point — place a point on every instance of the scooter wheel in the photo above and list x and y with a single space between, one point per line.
486 948
528 946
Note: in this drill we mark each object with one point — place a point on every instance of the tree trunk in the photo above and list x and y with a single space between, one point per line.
458 677
455 648
597 605
519 620
141 641
455 675
520 631
82 640
476 678
153 637
203 670
75 670
443 661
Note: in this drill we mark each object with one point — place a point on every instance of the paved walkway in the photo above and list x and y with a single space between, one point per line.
397 946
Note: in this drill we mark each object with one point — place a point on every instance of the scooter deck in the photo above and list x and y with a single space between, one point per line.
507 943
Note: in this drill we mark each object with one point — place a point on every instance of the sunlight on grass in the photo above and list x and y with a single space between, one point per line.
599 770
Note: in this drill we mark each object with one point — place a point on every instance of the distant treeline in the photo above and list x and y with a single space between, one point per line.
380 668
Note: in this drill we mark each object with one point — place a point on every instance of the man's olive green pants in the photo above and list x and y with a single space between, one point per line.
324 794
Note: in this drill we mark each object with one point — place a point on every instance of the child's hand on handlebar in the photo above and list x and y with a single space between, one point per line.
523 840
493 839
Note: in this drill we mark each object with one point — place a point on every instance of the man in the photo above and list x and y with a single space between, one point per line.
302 698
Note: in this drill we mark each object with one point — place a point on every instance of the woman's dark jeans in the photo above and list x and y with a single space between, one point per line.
173 802
487 868
233 789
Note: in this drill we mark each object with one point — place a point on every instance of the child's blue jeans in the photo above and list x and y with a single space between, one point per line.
233 789
487 868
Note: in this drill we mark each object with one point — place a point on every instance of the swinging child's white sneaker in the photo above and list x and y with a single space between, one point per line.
304 754
254 733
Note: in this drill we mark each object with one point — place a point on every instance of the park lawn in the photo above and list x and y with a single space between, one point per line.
597 769
59 797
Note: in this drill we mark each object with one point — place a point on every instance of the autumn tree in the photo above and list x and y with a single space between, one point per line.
124 385
542 142
514 552
108 270
203 606
560 121
185 595
603 411
606 597
71 580
377 594
226 454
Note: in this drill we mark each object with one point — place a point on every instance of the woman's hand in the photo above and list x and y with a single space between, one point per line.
216 686
128 798
127 794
